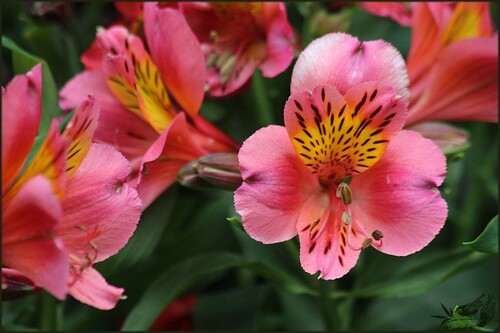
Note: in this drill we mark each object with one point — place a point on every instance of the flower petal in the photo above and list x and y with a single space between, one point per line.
29 244
324 242
399 197
462 85
275 186
21 112
80 131
50 161
183 71
398 11
280 39
92 289
166 156
337 136
342 61
100 211
118 126
108 41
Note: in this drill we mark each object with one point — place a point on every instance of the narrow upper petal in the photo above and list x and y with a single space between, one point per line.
118 126
21 112
29 243
91 288
338 136
462 84
178 55
276 184
342 61
101 211
398 196
79 131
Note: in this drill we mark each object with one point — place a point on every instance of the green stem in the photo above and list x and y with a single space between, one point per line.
327 308
50 315
263 104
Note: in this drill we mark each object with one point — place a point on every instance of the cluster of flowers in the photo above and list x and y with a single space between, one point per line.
348 170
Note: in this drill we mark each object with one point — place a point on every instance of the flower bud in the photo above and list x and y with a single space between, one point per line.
220 170
16 285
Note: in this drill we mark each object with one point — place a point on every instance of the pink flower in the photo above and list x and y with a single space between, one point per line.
342 174
237 38
453 63
400 12
70 206
149 102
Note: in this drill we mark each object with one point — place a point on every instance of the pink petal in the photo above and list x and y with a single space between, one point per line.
182 70
118 126
280 40
168 154
21 111
29 244
462 84
399 197
323 238
92 289
100 211
398 11
342 61
110 40
276 184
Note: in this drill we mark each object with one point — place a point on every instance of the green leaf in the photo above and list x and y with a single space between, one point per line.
487 241
416 276
23 61
148 234
172 283
229 310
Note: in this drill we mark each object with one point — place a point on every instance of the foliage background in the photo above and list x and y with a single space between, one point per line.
185 245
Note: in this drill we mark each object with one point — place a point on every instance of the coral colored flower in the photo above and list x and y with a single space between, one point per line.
238 37
453 63
342 174
400 12
149 101
69 207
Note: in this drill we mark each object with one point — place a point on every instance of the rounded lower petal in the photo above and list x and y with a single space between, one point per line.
275 186
91 288
183 71
101 211
21 111
399 197
343 61
29 243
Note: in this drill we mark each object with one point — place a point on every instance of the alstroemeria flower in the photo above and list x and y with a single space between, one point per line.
238 37
342 174
69 207
132 15
149 101
453 63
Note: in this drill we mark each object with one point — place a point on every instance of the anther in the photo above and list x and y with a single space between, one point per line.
346 218
377 235
344 193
